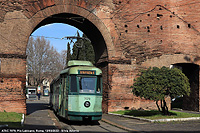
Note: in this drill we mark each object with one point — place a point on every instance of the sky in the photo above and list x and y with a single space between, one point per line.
54 32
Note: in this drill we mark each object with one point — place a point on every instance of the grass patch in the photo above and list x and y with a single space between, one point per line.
154 114
12 119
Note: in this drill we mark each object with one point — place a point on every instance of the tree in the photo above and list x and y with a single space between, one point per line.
63 58
76 50
68 58
43 61
158 83
84 52
89 51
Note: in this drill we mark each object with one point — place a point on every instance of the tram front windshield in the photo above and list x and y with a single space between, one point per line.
87 84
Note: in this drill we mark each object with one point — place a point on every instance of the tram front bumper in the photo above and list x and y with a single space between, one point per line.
81 116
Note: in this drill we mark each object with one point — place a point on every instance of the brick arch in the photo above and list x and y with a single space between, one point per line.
190 67
92 26
91 23
191 70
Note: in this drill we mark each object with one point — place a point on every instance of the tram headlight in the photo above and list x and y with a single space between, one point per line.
87 104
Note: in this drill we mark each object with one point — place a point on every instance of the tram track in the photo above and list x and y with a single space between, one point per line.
105 129
71 126
95 127
100 126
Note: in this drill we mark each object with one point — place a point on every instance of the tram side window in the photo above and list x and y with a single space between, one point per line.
73 87
99 85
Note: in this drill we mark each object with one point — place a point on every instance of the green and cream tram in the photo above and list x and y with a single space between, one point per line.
76 94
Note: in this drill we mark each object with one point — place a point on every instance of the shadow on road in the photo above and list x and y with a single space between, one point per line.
32 107
85 123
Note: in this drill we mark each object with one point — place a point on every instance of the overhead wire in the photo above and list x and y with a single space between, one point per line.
47 37
65 38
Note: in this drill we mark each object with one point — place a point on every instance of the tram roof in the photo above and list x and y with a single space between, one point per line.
79 63
77 69
74 66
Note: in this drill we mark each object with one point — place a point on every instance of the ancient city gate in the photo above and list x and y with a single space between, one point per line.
127 35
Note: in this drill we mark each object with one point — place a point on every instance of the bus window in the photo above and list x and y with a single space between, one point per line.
73 87
87 84
99 84
32 91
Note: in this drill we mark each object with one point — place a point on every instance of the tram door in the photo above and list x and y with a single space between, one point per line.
63 97
66 94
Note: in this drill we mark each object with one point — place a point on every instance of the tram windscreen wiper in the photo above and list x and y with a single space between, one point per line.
87 84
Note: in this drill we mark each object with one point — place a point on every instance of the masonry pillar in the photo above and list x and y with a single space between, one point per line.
12 83
118 77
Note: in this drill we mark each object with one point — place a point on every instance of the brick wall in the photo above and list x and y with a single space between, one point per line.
12 84
137 34
12 95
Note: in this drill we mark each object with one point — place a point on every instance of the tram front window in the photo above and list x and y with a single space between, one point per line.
87 84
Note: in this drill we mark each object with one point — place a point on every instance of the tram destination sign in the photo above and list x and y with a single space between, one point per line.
90 72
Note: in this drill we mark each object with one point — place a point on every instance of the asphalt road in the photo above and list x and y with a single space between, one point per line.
38 115
41 117
143 126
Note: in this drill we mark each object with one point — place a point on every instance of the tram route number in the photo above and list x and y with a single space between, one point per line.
87 72
87 98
